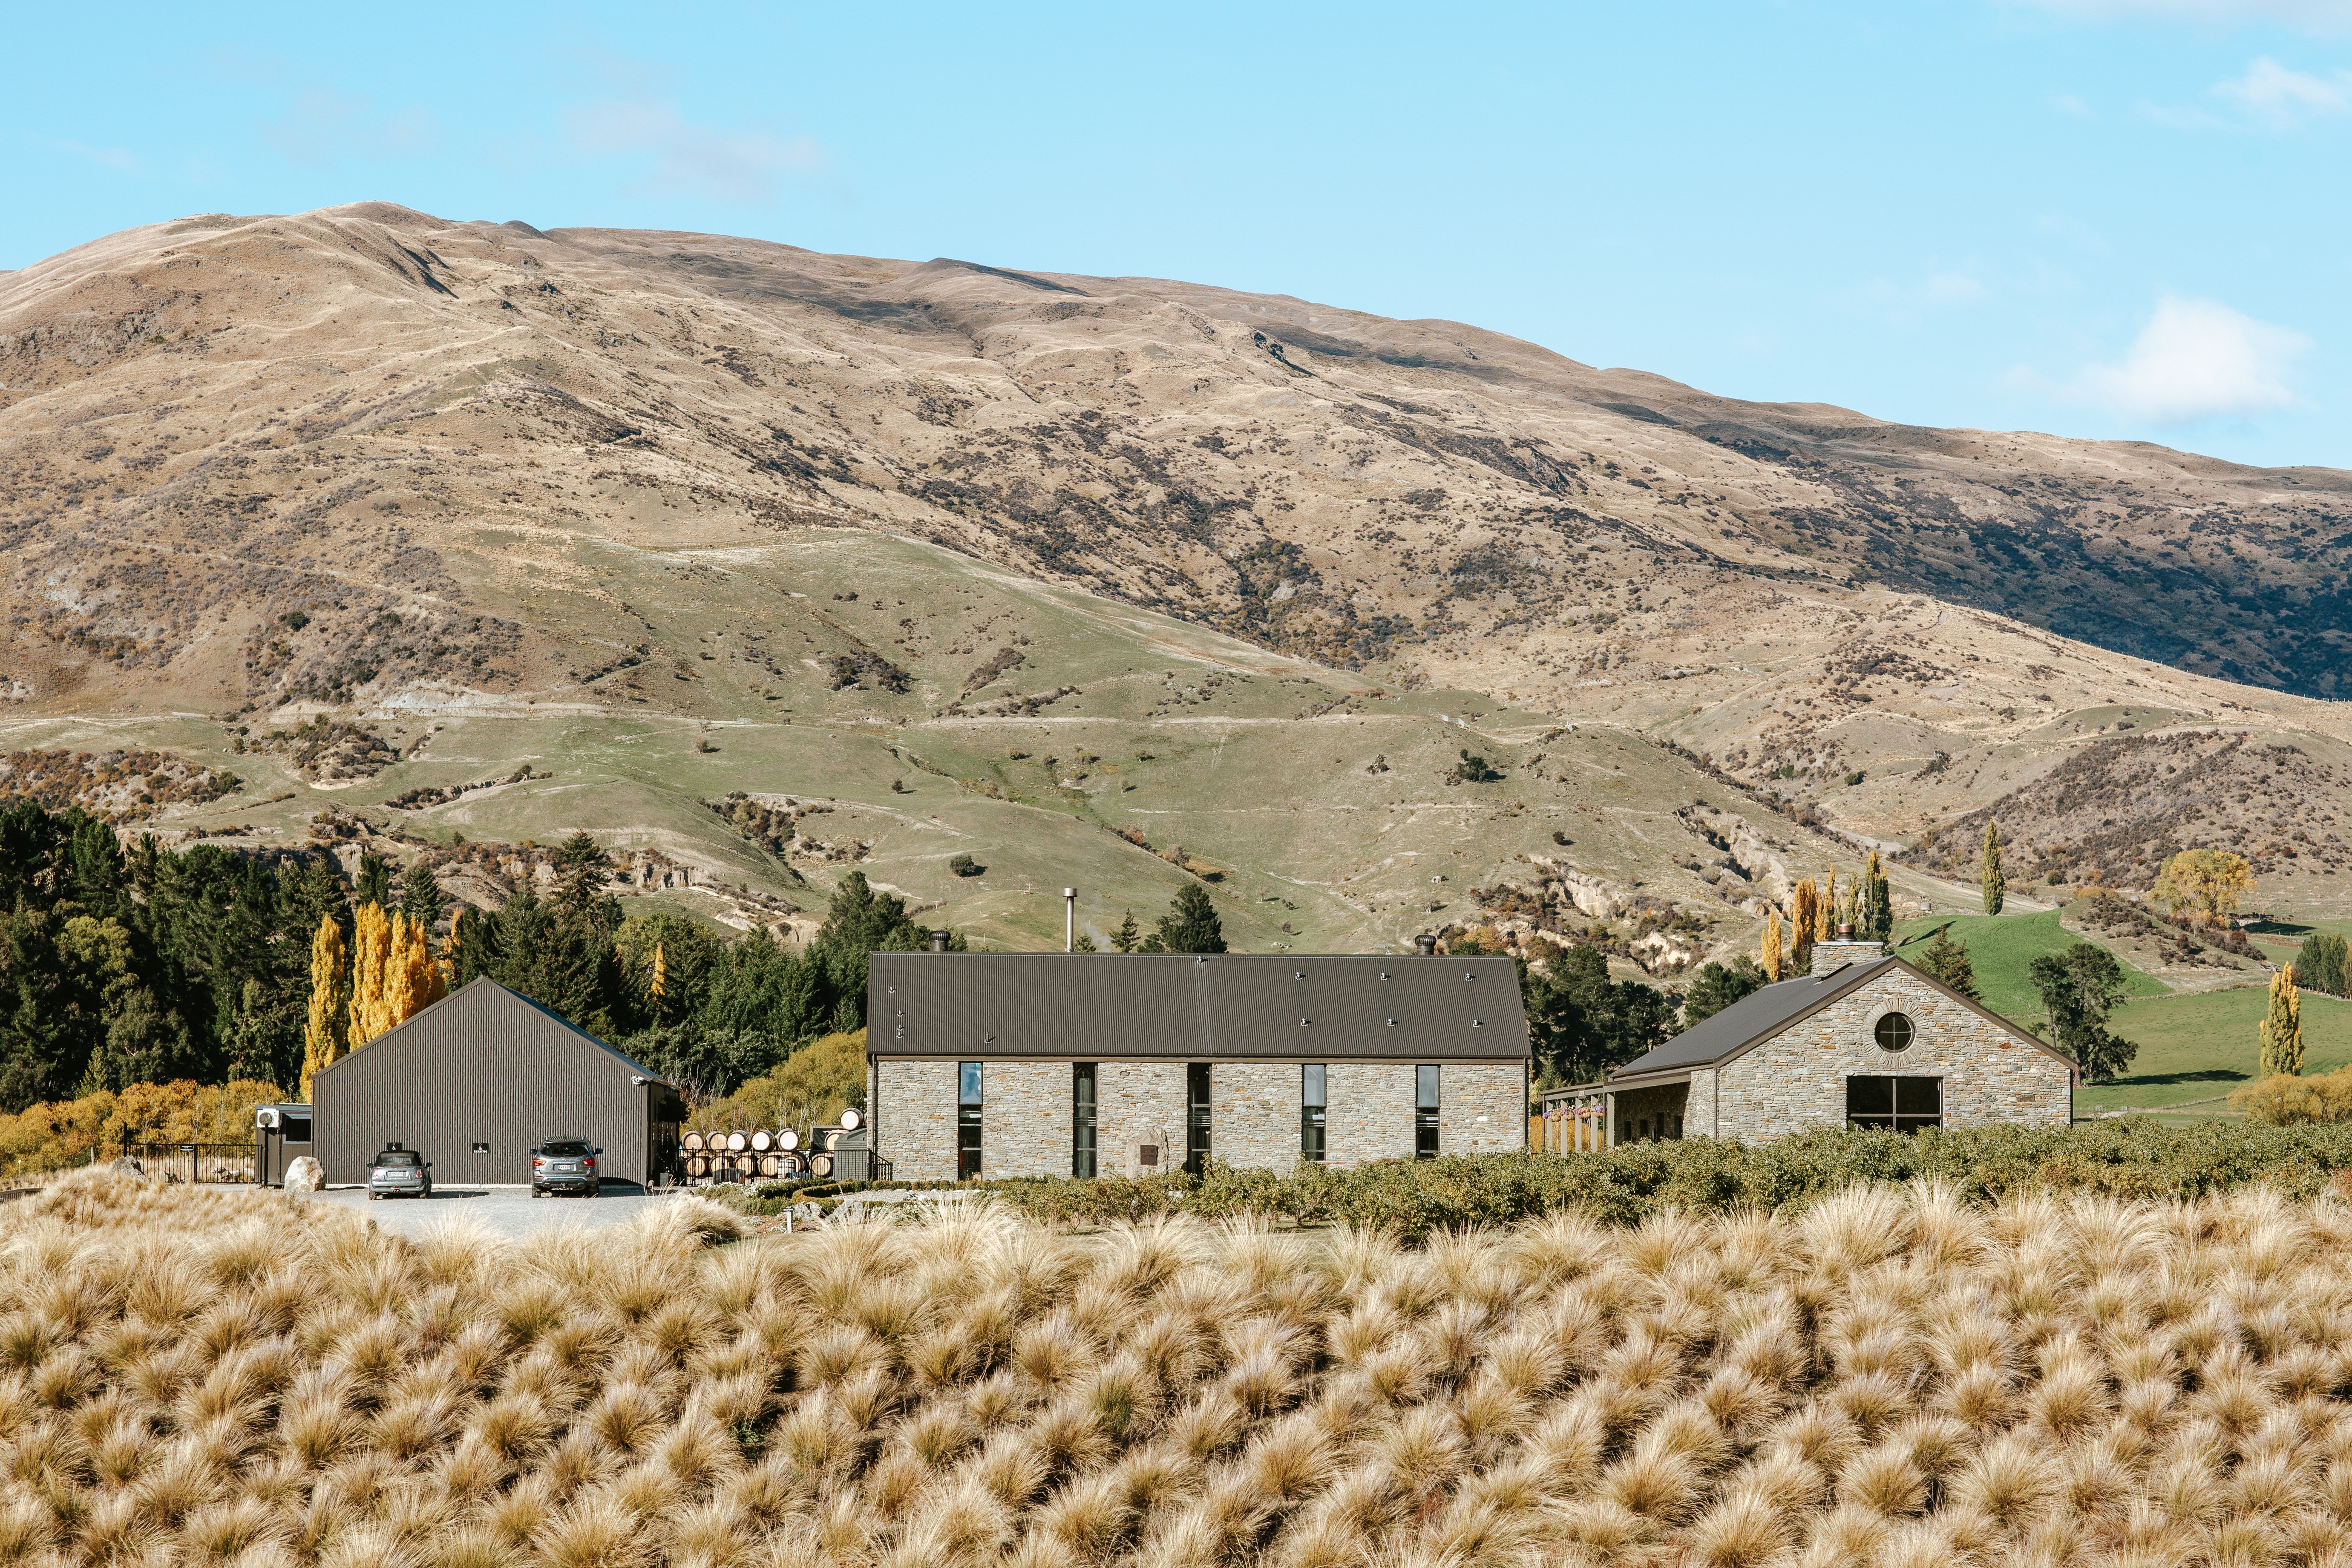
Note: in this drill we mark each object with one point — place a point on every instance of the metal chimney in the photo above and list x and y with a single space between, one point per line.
1070 919
1425 945
939 942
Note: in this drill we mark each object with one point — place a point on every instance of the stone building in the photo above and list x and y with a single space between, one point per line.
1864 1040
1004 1064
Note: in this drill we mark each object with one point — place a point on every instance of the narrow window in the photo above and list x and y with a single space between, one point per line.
1196 1118
1311 1106
1081 1119
1904 1104
1424 1113
967 1121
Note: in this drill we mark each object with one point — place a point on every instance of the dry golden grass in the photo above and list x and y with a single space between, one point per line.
1891 1378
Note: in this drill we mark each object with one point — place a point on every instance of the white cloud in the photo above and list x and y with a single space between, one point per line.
740 167
2197 360
2283 99
2067 103
323 125
2324 16
118 158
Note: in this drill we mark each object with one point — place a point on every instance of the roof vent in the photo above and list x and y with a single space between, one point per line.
1298 974
939 941
1425 945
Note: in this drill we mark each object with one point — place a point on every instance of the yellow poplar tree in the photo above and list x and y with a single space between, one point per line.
2282 1031
1804 915
371 959
660 987
416 980
1773 942
1825 918
323 1036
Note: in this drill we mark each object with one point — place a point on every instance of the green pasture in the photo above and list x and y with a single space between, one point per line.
2004 948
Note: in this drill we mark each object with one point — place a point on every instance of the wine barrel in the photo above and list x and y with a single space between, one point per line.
737 1143
697 1164
746 1165
694 1143
761 1140
849 1119
788 1138
767 1164
820 1164
792 1164
833 1135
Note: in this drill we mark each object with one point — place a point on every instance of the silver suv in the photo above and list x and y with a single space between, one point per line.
399 1173
564 1165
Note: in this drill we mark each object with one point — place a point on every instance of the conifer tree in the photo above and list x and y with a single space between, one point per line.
420 894
1877 921
322 1034
2282 1028
1948 962
1128 936
1773 942
1996 886
374 880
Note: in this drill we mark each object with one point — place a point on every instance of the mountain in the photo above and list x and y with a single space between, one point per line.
608 492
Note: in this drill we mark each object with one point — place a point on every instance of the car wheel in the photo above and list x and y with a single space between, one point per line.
373 1198
592 1189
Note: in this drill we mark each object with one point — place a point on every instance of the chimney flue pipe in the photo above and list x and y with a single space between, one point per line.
1070 919
939 942
1425 945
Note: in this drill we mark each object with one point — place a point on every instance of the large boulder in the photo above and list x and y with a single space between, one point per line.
305 1175
124 1165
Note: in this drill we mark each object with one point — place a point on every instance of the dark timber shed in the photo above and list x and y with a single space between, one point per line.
478 1078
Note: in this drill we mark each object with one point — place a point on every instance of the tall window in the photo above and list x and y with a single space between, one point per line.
1196 1118
1310 1112
1904 1104
1424 1111
967 1121
1081 1119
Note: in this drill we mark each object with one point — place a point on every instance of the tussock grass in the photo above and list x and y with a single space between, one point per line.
1892 1376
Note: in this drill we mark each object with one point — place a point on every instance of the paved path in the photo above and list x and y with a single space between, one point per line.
508 1211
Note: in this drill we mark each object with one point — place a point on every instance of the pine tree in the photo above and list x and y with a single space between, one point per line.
1948 962
1191 924
1773 942
2281 1029
374 881
1877 920
1996 888
420 894
1128 936
323 1036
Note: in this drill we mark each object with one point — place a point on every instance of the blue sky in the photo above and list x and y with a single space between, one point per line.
2123 218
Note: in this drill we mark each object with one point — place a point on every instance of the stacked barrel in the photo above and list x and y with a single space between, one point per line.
754 1153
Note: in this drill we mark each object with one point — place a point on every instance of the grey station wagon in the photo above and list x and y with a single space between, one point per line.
564 1165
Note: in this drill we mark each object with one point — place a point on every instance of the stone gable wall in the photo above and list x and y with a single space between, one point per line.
1797 1079
916 1126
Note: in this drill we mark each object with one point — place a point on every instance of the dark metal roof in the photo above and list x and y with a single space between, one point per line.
1189 1007
477 999
1753 1016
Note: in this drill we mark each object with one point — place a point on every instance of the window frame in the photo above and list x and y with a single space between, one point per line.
971 1089
1085 1082
1428 1101
1865 1106
1200 1091
1314 1110
1891 1020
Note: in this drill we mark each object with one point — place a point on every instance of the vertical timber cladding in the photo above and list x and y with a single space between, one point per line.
485 1066
1796 1079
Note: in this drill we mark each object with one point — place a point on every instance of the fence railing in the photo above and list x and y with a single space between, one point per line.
194 1162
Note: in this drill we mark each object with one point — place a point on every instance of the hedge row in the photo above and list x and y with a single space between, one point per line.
2125 1157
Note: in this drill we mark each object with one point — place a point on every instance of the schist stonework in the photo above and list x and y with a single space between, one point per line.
1007 1063
1864 1040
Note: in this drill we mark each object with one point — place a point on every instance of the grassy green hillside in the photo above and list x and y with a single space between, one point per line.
2004 948
948 709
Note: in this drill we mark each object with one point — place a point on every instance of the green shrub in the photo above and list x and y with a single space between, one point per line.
2125 1158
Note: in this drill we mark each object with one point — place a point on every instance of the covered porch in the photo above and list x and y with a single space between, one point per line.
1590 1117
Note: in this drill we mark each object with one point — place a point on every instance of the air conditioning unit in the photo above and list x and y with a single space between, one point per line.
265 1118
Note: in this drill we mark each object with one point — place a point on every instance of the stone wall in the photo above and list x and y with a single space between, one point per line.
1483 1108
1659 1111
1253 1115
1699 1110
1370 1112
915 1127
1025 1119
1797 1079
1139 1102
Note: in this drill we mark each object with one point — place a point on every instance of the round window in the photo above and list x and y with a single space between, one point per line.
1895 1032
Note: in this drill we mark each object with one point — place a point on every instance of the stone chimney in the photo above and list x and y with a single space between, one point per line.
1844 950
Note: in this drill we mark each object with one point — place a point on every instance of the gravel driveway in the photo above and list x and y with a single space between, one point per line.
508 1211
